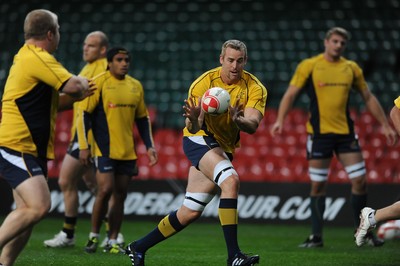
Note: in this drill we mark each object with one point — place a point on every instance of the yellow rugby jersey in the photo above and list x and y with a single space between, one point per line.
328 86
30 102
113 109
88 71
397 102
249 90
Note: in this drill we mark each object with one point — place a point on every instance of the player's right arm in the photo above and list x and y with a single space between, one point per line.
299 79
284 107
395 115
75 89
193 114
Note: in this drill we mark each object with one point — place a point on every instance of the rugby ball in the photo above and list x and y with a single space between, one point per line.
389 230
215 101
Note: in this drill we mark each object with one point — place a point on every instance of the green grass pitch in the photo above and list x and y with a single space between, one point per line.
202 244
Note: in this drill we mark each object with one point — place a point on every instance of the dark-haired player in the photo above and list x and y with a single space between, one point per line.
110 113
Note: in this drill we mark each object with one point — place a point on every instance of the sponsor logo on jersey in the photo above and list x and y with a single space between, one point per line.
120 105
333 84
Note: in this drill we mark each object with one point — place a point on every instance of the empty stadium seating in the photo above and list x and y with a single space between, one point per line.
261 157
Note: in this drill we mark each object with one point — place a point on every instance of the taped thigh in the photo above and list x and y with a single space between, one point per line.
197 201
223 170
356 170
318 174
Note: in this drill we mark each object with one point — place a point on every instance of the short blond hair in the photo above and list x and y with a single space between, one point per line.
339 31
234 44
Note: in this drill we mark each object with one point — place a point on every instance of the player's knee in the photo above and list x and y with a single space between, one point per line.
187 214
63 184
192 215
231 183
120 195
104 191
39 212
44 211
359 184
318 188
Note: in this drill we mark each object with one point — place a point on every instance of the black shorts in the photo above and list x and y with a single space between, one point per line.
73 149
325 145
196 146
16 167
119 167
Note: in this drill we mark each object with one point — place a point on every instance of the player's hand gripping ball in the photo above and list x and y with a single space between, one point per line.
215 101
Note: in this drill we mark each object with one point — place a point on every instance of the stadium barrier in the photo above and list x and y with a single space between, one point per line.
259 202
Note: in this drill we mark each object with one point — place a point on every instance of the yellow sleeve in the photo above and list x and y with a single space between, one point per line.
257 96
81 129
47 69
397 102
301 74
85 107
141 110
359 80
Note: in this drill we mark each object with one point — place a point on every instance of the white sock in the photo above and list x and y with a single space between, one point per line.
91 235
371 218
112 242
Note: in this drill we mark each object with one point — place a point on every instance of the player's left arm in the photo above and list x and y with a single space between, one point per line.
247 116
246 119
143 124
395 116
376 110
144 127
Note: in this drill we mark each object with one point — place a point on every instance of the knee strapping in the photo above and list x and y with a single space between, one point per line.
223 170
318 175
197 201
356 170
